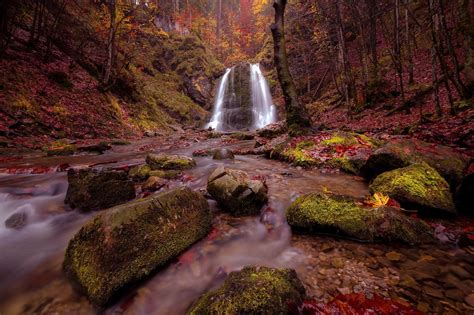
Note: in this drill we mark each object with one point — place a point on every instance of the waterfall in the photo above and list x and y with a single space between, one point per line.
263 108
243 100
215 122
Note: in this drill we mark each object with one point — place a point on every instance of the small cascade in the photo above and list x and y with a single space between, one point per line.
215 122
243 100
264 112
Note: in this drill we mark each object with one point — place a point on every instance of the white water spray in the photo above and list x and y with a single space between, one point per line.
225 115
216 119
264 112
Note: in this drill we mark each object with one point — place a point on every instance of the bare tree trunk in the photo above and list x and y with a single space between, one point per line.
467 29
372 8
111 43
409 47
296 115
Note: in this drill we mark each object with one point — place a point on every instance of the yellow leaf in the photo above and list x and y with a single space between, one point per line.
379 200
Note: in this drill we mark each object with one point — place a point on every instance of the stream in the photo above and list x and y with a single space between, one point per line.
32 281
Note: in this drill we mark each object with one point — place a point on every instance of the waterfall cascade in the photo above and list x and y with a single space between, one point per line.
243 100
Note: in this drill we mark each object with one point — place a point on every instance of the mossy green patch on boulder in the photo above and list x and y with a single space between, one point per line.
400 153
61 148
91 189
416 186
139 172
235 192
128 243
253 290
300 155
169 162
320 213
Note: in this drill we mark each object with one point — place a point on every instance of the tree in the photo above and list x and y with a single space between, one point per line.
297 117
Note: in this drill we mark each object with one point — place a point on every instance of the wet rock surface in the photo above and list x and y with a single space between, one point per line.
236 192
417 186
169 162
127 243
92 189
16 221
223 154
253 290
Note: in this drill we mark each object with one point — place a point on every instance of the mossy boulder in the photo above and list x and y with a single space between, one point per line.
323 214
403 152
128 243
169 174
300 154
139 172
253 290
169 162
91 189
60 147
273 130
418 186
235 192
223 154
154 183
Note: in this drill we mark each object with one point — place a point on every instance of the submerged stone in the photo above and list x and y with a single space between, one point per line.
223 154
169 162
235 192
416 186
321 213
400 153
91 189
154 183
253 290
129 242
16 221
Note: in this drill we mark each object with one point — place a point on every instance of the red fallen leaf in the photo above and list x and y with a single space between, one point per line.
213 234
414 216
187 178
41 170
63 167
393 203
470 236
356 304
258 177
187 257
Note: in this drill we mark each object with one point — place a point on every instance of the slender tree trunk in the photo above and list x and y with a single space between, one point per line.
296 115
372 8
111 44
467 29
409 47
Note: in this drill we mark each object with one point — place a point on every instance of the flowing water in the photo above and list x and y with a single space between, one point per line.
32 282
243 100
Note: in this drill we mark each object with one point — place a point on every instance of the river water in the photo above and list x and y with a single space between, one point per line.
32 281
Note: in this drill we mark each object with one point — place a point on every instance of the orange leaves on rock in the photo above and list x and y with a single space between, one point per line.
378 200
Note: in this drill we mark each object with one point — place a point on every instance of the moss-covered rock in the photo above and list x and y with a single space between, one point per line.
128 243
416 186
60 147
154 183
223 154
300 154
320 213
273 130
400 153
139 172
91 189
235 192
253 290
169 162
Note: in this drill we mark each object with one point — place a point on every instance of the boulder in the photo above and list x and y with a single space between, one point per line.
91 189
273 130
169 162
139 172
235 192
403 152
418 186
127 243
253 290
170 174
16 220
154 183
223 154
464 196
323 214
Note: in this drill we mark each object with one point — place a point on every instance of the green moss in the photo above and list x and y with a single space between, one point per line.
60 147
139 172
299 155
253 290
418 185
169 162
344 164
129 242
170 174
320 213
